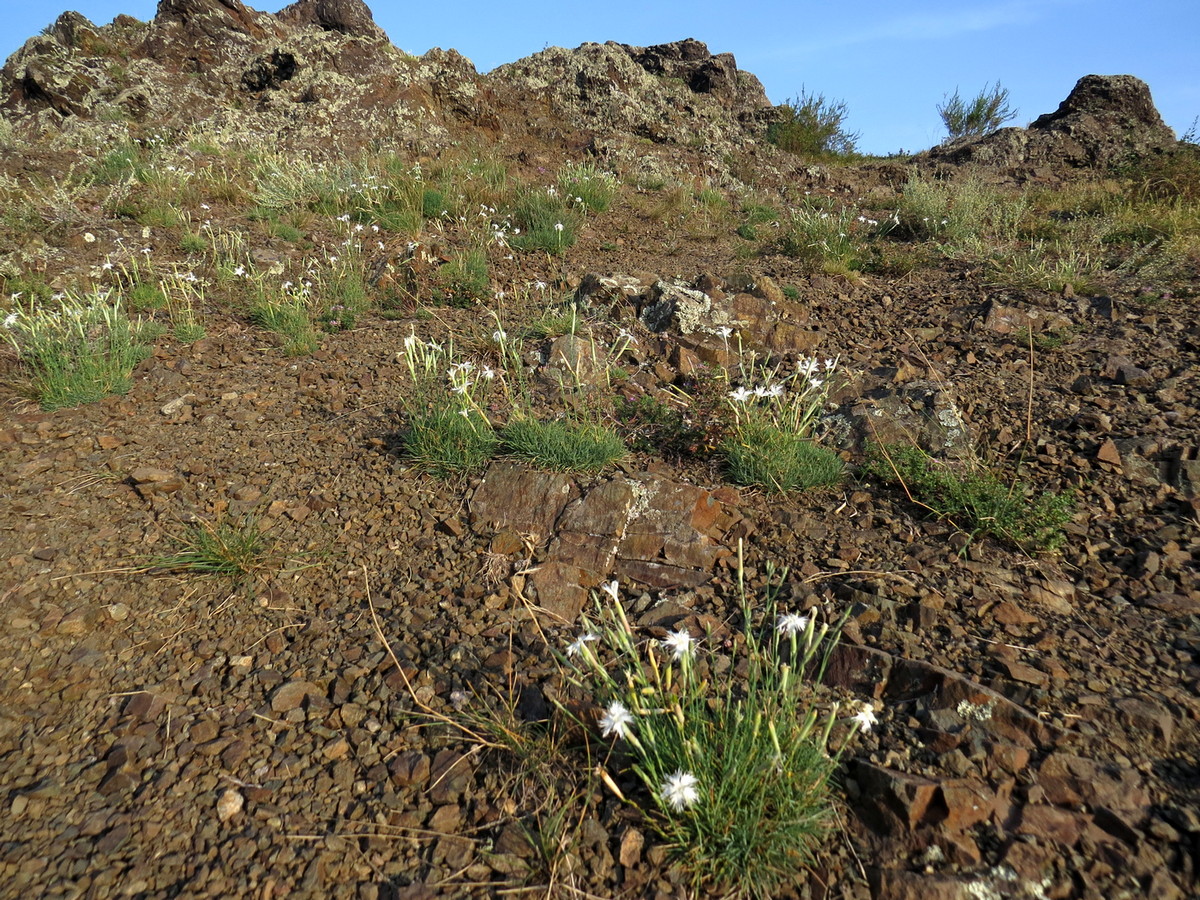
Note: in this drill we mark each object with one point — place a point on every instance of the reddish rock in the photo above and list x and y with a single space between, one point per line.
894 802
968 802
1049 823
289 696
409 768
515 498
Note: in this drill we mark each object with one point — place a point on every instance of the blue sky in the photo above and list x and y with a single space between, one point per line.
890 62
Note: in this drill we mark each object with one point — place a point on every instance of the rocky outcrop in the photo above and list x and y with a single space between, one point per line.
643 529
1104 119
349 17
669 93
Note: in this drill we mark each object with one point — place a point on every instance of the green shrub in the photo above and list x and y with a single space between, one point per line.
809 125
985 113
562 446
653 426
80 352
975 499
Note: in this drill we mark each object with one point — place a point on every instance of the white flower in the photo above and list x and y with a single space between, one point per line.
775 390
865 717
89 238
10 320
613 589
830 363
679 790
616 720
205 206
107 265
499 335
814 382
576 646
488 373
762 391
240 271
679 643
465 413
741 395
725 331
558 226
790 624
540 285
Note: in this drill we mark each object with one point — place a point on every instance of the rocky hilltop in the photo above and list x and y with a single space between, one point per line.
263 642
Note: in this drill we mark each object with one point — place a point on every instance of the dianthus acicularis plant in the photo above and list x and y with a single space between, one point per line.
79 352
771 442
736 759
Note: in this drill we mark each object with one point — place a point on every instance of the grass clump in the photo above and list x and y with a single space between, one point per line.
448 440
547 221
766 456
588 186
770 444
563 446
825 238
974 498
287 315
234 548
734 760
448 431
79 352
809 125
463 282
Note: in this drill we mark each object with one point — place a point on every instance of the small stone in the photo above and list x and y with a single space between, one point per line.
1108 453
336 748
46 554
230 805
150 480
631 847
176 406
118 612
409 768
352 714
289 696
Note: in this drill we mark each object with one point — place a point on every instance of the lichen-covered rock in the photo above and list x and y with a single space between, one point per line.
670 93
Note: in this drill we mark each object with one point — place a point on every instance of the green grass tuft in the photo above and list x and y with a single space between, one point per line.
445 442
226 548
83 351
764 455
976 499
563 447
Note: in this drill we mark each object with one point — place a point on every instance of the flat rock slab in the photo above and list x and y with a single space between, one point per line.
643 529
